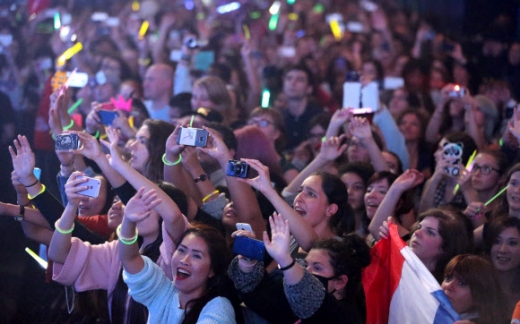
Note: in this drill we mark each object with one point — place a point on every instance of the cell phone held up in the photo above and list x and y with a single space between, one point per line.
457 92
93 186
249 248
67 142
192 137
237 169
107 117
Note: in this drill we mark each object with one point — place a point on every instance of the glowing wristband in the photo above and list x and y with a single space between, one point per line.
127 241
65 232
69 126
39 193
169 163
96 134
210 195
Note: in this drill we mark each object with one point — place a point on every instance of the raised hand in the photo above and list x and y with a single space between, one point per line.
278 247
93 121
172 148
475 209
75 184
140 206
90 147
340 117
55 121
262 182
360 128
115 153
514 125
332 148
215 147
17 184
384 231
408 180
23 159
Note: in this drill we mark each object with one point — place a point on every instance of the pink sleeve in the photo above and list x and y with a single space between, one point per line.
89 267
167 249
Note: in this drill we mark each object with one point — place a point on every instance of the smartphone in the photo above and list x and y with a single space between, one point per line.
367 113
352 94
287 51
354 27
452 152
193 137
93 185
244 227
107 117
37 173
175 55
370 96
67 142
112 22
99 16
249 248
77 79
392 83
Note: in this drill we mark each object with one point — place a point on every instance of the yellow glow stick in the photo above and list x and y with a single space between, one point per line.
131 121
36 257
247 34
135 6
336 30
470 161
143 29
70 52
293 16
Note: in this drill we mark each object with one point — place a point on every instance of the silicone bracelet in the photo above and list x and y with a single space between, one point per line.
39 193
210 195
289 266
63 231
169 163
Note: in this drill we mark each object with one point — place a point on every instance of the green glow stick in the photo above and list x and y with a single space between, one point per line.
191 121
273 22
496 196
36 257
75 105
470 160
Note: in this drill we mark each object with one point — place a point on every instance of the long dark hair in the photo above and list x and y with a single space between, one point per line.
220 257
502 209
159 132
343 221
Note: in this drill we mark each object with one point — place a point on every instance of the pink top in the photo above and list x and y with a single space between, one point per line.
90 267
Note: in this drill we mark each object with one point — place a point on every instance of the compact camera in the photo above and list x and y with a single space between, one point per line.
193 137
237 169
67 142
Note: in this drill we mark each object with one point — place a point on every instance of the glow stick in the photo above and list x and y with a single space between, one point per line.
228 7
143 29
273 22
293 16
247 34
266 95
36 257
291 2
469 166
275 8
495 196
191 121
255 15
135 6
131 121
70 52
57 21
336 30
75 106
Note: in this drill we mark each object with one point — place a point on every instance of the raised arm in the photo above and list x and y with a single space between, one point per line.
408 180
330 150
338 119
434 125
300 229
430 187
137 209
360 128
243 197
61 239
172 216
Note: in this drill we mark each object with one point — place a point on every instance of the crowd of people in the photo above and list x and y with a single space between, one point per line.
161 127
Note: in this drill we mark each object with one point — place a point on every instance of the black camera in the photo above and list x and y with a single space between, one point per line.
237 169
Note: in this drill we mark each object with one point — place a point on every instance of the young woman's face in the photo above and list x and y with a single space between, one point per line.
229 216
200 98
458 293
410 127
426 241
356 151
92 206
355 188
191 266
484 175
398 103
311 202
392 161
115 214
139 152
505 252
513 192
456 109
374 196
318 263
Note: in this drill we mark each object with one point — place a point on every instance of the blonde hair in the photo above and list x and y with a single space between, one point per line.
218 95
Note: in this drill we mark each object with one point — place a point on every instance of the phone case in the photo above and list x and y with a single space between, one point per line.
67 142
107 117
249 248
244 227
93 188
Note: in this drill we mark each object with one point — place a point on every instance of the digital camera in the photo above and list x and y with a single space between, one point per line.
457 92
237 169
193 137
67 142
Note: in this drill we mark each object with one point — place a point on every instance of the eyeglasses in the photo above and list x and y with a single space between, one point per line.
485 169
262 123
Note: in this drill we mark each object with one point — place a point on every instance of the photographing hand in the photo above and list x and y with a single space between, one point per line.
115 154
90 147
172 148
360 128
332 148
215 147
262 182
75 184
140 206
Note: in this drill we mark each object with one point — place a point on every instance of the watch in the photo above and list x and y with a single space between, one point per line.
203 177
20 216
